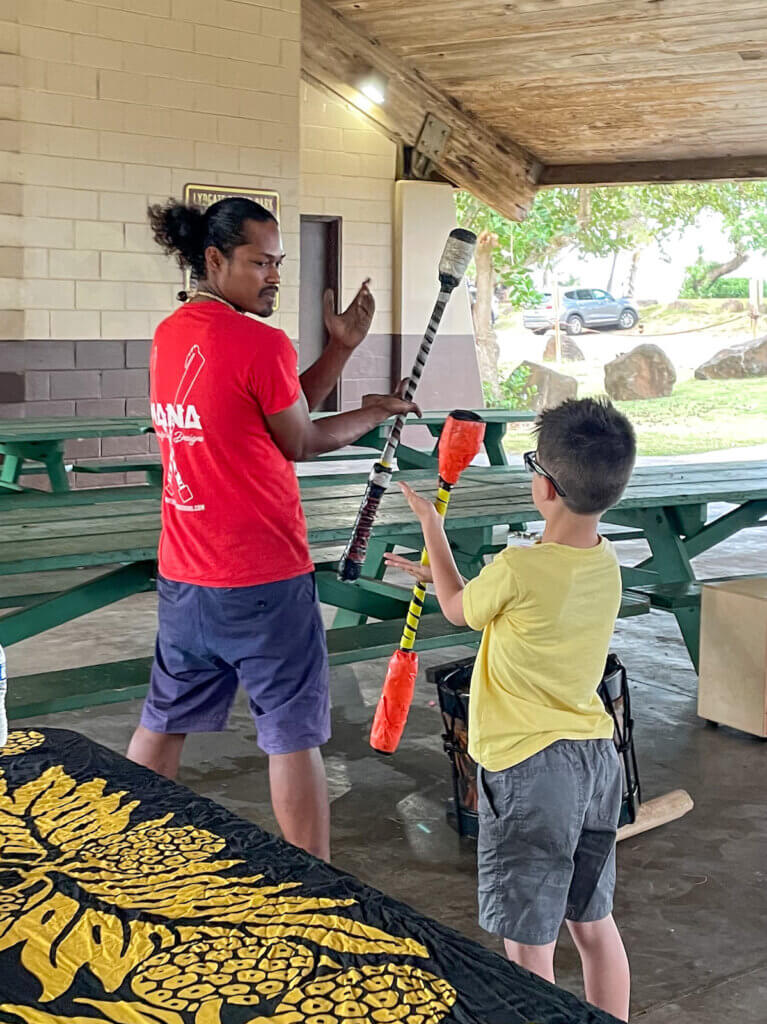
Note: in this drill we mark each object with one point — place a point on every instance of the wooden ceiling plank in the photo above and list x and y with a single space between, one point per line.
590 88
724 169
491 166
406 29
414 39
540 75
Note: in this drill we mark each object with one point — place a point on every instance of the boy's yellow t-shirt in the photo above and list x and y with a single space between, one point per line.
548 613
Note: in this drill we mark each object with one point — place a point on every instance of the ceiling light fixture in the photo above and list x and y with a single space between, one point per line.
373 85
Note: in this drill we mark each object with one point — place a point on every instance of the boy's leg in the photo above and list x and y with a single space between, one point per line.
300 800
160 752
528 828
537 959
606 974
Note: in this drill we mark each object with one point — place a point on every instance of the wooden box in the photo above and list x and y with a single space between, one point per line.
732 686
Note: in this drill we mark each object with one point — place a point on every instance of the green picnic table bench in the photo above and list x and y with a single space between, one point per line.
48 531
668 504
38 445
35 446
496 420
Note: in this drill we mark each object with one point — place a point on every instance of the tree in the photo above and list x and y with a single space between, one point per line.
604 222
742 207
487 343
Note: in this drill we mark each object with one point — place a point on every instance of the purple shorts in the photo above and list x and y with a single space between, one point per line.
269 638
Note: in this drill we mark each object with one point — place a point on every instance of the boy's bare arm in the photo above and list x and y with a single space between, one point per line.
448 582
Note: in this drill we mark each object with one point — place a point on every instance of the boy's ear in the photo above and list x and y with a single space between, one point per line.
551 494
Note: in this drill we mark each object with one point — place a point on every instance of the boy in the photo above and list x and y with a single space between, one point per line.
549 779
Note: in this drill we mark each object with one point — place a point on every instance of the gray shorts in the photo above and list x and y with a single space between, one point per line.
547 840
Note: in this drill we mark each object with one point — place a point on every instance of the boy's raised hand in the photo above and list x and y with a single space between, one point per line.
423 508
420 573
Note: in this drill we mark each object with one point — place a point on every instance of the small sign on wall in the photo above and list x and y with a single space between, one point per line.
204 196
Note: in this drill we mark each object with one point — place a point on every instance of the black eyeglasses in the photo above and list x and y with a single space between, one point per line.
533 466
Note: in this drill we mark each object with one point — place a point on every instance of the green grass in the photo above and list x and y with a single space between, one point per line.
700 416
696 314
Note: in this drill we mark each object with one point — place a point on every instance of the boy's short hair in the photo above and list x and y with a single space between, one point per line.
589 447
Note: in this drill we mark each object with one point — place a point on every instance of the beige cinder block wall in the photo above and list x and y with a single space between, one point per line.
348 169
109 105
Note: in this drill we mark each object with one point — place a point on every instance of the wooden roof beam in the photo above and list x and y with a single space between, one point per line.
653 172
492 167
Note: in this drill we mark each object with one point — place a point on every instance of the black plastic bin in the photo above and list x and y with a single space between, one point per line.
453 682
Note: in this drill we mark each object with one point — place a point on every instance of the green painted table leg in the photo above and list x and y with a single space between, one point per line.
669 554
50 454
688 519
689 626
11 469
672 563
412 458
134 578
468 548
57 474
725 526
494 435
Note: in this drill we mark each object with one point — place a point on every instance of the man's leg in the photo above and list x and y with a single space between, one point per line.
300 800
156 750
606 974
538 959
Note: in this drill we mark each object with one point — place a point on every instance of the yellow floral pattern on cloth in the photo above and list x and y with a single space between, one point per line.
20 742
169 928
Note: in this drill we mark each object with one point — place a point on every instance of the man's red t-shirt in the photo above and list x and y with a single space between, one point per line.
231 511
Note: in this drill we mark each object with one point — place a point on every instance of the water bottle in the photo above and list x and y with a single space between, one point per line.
3 688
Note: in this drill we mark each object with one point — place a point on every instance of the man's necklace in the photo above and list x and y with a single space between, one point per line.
216 298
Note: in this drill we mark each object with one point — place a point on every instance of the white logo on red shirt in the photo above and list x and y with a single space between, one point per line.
171 419
166 417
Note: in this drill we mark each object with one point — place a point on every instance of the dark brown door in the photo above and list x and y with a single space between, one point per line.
320 269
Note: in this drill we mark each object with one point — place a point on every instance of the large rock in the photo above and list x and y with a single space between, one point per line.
644 372
570 351
749 359
546 388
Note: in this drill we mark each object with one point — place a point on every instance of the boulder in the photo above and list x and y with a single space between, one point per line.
749 359
570 351
546 388
733 306
644 372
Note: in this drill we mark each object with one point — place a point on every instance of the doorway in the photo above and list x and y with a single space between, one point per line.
320 269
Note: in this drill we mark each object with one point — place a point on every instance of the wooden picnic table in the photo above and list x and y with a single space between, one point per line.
41 442
38 445
668 505
496 420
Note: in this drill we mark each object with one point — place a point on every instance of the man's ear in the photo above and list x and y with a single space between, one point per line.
214 258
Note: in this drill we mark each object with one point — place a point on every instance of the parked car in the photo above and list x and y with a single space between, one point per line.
582 307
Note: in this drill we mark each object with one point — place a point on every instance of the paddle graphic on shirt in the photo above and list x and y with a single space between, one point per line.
174 485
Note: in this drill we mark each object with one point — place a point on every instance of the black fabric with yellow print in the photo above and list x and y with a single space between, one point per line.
126 899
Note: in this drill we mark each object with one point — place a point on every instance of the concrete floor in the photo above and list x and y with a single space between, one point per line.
692 896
